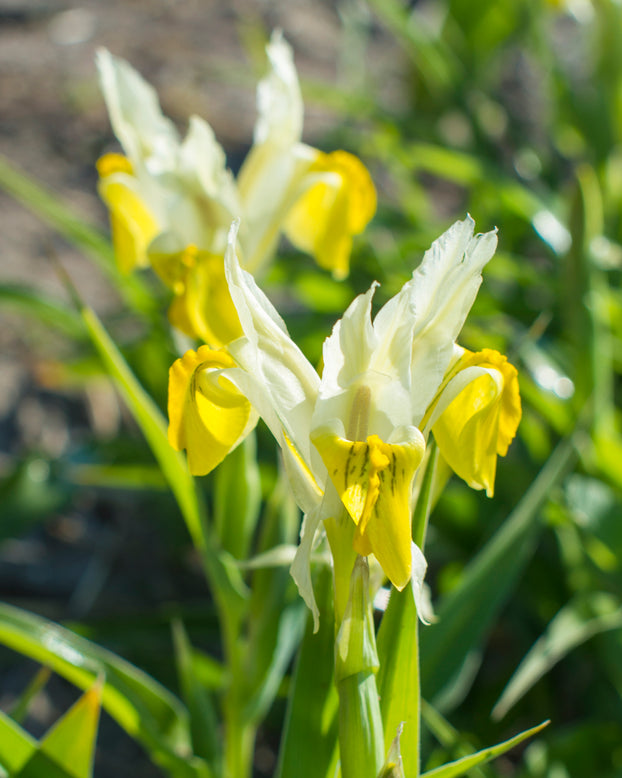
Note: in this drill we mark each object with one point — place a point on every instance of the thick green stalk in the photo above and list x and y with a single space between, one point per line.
239 741
360 748
398 646
361 739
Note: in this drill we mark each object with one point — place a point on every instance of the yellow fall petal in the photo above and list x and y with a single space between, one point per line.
132 224
113 163
202 306
482 420
208 418
373 480
323 220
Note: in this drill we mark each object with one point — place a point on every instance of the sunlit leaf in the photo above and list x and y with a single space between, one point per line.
578 621
462 766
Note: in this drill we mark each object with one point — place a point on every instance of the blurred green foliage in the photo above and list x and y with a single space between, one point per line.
512 112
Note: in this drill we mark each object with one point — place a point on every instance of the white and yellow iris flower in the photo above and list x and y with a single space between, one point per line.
355 436
170 198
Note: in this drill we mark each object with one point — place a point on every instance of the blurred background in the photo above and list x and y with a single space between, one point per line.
512 112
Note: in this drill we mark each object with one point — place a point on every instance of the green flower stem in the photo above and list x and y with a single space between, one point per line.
361 746
423 505
222 575
398 645
361 738
340 533
239 741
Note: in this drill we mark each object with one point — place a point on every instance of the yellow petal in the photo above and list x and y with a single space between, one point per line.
132 224
208 416
202 306
323 220
373 480
482 420
113 163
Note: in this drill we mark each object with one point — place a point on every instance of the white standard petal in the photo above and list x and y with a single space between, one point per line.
356 367
147 136
419 589
419 325
205 200
202 160
279 101
269 354
300 569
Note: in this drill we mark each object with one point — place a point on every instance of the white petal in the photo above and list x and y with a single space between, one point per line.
203 168
420 325
137 120
301 566
419 589
348 350
354 358
269 354
279 102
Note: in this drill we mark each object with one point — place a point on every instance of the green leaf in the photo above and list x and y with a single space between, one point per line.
291 626
20 708
153 425
467 613
40 765
462 766
454 743
203 720
144 708
224 577
308 744
237 498
398 676
50 312
16 745
30 494
583 617
47 206
71 741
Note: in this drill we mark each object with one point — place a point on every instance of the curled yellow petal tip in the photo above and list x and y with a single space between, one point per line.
132 224
113 163
481 421
338 206
202 306
208 416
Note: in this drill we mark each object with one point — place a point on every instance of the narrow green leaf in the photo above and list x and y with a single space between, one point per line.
237 498
51 312
224 576
153 425
71 741
46 205
308 744
144 708
453 742
435 62
40 765
398 677
578 621
117 476
20 708
467 613
462 766
16 745
291 626
203 720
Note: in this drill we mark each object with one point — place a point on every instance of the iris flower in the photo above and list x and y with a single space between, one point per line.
172 201
356 435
